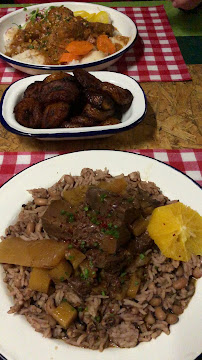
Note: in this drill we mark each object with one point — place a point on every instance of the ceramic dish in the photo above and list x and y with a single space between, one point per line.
18 340
130 119
122 22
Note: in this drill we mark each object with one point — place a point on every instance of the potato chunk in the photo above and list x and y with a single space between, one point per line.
36 253
75 257
61 272
64 314
133 286
76 195
140 226
88 270
117 186
39 280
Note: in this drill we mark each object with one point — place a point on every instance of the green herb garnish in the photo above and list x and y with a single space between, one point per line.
102 197
64 300
70 246
97 318
142 256
62 278
136 283
103 293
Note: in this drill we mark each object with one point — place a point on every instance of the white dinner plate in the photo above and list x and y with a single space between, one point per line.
18 340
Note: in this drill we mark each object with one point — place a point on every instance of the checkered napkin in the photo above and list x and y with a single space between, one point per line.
154 57
188 161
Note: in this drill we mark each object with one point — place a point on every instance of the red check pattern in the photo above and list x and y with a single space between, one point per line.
154 57
189 161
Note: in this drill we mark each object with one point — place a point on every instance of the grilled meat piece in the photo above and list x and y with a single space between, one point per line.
28 113
55 114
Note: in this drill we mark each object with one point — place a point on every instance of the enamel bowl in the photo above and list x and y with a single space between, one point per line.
120 21
131 118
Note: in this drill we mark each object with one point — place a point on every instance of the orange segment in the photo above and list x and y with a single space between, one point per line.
177 231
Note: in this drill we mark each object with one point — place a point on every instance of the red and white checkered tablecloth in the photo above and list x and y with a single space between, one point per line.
189 161
154 57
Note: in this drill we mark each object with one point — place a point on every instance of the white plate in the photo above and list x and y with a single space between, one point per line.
120 21
131 118
18 341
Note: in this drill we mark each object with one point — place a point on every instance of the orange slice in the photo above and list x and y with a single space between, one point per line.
177 230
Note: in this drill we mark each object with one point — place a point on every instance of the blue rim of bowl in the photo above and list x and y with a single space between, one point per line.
121 151
71 135
70 68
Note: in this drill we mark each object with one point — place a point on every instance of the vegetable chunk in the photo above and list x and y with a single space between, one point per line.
45 253
75 257
61 272
39 280
64 314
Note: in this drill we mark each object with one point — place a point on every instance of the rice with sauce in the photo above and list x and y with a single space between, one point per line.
164 293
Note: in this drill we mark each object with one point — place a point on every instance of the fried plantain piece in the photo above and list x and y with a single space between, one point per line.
55 114
121 96
87 80
28 113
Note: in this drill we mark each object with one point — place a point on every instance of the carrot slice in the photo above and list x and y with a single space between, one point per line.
79 47
67 57
105 45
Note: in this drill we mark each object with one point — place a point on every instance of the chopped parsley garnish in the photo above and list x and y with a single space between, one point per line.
97 318
80 309
93 272
70 246
64 300
136 283
102 197
96 244
142 256
95 221
62 278
71 257
86 208
130 200
103 293
31 46
25 9
66 273
123 274
85 274
69 215
91 263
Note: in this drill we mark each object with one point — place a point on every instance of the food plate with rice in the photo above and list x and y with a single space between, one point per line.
65 36
108 321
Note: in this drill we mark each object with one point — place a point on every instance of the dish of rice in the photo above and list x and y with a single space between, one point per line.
57 36
91 272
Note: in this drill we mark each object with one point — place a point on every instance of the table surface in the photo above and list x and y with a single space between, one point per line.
173 119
